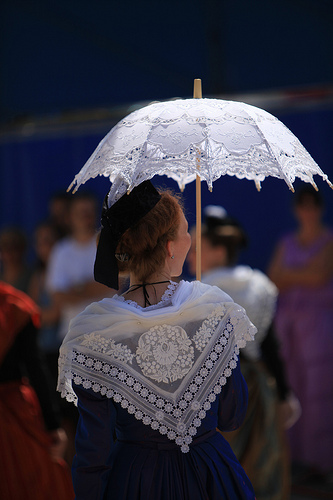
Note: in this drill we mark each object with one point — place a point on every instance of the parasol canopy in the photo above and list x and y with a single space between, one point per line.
206 137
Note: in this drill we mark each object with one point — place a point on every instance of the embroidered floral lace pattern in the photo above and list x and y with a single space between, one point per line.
101 344
203 335
164 353
228 137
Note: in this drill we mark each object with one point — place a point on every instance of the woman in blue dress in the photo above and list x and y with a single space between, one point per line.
154 371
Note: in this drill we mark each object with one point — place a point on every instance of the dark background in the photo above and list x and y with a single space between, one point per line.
71 69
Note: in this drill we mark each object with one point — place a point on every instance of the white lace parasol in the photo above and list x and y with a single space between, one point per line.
201 139
208 137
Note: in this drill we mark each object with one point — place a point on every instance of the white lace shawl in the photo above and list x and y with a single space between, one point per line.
254 291
164 365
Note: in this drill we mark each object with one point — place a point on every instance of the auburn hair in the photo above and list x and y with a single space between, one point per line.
145 243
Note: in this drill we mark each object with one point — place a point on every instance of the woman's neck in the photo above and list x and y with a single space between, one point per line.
154 278
149 291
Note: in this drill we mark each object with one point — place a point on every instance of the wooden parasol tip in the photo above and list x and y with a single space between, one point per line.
70 186
197 92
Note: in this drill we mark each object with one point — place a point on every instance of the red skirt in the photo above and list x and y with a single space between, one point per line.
27 471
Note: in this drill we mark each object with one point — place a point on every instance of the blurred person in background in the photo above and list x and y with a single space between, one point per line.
260 443
302 269
59 210
45 237
31 439
70 281
70 277
13 265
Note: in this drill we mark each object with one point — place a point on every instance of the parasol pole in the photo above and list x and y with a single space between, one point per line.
197 94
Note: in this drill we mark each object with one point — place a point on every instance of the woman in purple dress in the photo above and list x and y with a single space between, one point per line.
302 269
154 371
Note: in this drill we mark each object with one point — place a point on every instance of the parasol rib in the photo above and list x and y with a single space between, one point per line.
197 94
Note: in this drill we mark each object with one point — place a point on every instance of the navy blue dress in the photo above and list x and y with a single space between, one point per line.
118 457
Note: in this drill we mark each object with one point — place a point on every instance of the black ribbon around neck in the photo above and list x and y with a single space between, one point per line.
144 289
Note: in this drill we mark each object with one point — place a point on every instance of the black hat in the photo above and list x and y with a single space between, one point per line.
115 220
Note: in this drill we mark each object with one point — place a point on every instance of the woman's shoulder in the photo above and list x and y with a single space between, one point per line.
206 292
